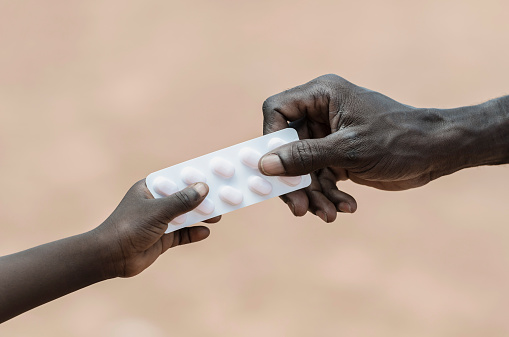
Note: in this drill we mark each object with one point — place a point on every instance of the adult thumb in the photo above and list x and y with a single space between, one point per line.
298 158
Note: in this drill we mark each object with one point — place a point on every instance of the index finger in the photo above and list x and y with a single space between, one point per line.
306 100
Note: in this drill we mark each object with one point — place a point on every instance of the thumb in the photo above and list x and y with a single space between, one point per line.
298 158
183 201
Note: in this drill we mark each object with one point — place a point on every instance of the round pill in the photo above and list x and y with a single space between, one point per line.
164 186
259 185
230 195
292 181
249 157
190 175
179 220
275 142
222 167
206 207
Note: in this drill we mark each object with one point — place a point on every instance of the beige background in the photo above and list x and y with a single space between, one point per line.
94 95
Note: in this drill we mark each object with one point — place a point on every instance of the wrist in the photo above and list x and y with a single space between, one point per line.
468 136
109 254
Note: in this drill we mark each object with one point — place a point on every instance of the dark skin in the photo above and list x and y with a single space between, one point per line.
349 132
124 245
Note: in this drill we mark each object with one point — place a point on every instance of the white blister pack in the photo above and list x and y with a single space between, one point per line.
232 176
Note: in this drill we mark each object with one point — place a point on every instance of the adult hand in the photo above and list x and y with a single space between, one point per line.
135 230
347 132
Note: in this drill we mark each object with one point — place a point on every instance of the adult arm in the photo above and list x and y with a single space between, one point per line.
350 132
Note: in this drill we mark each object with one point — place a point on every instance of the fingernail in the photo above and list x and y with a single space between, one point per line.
345 207
271 165
322 215
292 206
201 188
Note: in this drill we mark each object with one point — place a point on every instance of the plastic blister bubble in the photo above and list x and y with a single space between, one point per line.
232 176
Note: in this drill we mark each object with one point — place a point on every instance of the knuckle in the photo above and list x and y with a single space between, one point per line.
268 105
302 155
331 78
271 110
352 156
351 147
184 200
336 84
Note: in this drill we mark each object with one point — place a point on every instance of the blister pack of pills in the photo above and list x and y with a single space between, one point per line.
232 176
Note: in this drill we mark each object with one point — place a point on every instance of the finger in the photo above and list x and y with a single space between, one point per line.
297 201
305 100
319 204
313 125
167 208
301 127
213 220
184 236
281 108
343 202
189 235
300 157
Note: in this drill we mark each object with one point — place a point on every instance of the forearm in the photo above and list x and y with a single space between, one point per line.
470 136
41 274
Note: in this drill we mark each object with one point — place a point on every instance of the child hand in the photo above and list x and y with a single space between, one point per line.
134 232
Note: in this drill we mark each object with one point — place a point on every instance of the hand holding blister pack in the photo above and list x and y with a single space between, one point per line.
232 176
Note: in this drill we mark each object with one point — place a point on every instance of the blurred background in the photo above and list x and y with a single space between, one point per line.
95 95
